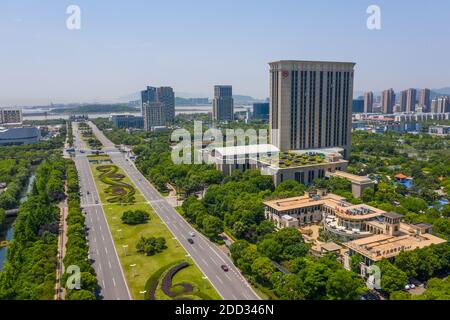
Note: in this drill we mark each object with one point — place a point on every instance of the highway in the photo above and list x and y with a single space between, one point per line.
207 256
110 275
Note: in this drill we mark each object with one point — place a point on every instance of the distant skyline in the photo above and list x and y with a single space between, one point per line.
193 45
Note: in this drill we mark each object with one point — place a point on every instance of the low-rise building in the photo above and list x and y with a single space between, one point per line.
26 135
127 121
439 130
392 238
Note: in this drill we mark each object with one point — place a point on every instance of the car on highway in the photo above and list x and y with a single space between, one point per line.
96 201
88 193
192 234
190 241
224 268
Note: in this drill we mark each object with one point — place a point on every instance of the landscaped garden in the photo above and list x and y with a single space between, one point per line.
288 160
118 191
147 272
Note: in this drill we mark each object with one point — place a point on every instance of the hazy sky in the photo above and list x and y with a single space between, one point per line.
193 44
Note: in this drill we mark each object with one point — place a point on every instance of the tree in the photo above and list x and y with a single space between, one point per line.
248 256
263 269
314 277
237 248
400 295
151 246
355 263
290 287
288 188
344 285
392 278
2 219
437 290
80 295
212 226
135 217
270 248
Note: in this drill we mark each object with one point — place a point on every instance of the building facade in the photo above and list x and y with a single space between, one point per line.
18 136
127 121
311 104
388 101
358 106
403 101
153 114
8 116
368 102
261 111
411 100
425 100
166 97
223 104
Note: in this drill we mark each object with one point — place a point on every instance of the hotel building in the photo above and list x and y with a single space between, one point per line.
311 105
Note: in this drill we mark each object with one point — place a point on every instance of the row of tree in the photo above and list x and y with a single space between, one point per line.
77 249
29 272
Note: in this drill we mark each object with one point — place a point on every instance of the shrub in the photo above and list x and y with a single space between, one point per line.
135 217
151 246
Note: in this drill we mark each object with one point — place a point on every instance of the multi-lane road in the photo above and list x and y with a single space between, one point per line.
207 256
110 275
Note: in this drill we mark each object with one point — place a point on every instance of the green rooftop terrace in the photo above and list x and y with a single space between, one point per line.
293 160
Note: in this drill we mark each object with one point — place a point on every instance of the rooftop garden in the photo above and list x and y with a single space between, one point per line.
292 160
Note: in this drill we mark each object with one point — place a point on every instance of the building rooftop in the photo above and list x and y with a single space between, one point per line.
246 150
393 215
378 247
351 177
303 201
330 247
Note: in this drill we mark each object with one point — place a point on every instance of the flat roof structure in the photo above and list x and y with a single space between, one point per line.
246 150
383 246
303 201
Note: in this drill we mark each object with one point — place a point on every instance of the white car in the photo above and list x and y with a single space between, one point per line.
192 234
407 287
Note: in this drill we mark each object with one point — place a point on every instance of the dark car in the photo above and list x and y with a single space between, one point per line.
224 268
190 241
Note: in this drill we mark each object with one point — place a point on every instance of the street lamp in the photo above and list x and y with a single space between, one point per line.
143 294
133 270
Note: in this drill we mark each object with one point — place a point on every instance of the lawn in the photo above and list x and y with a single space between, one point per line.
125 235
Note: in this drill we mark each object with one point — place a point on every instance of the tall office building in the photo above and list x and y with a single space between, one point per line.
261 111
153 113
388 101
163 95
223 105
148 95
434 106
167 97
443 105
411 100
425 100
311 104
368 102
403 100
358 106
9 115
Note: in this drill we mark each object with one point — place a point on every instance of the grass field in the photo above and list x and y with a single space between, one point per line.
125 235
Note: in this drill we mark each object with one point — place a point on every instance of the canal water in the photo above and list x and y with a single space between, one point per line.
8 233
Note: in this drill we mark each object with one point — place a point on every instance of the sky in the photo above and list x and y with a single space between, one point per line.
191 45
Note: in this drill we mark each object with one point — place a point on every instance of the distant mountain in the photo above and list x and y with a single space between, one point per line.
443 91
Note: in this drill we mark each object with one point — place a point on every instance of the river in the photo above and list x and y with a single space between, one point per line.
8 234
178 110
